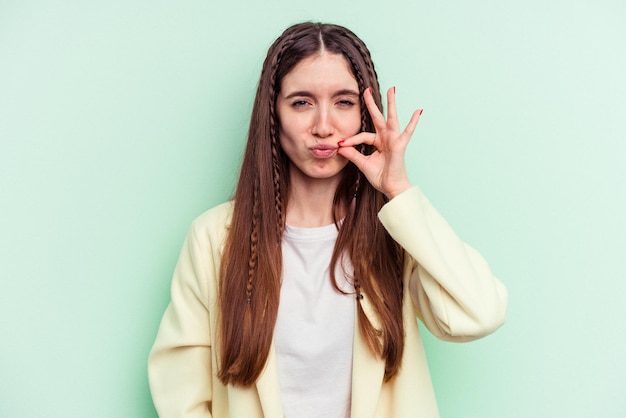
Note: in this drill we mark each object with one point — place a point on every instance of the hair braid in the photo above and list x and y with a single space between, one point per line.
254 240
274 135
361 82
278 199
369 63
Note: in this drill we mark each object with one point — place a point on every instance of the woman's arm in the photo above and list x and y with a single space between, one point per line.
454 292
179 366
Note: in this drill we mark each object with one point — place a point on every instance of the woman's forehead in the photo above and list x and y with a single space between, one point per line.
321 69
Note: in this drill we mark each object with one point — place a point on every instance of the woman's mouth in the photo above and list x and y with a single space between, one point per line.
323 150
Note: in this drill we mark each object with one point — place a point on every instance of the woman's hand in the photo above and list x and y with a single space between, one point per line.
384 168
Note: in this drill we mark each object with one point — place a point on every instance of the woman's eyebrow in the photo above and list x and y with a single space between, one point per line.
346 92
299 93
304 93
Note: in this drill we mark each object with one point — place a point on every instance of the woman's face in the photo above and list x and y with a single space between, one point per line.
318 106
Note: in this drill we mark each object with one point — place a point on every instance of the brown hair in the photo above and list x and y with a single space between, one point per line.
249 292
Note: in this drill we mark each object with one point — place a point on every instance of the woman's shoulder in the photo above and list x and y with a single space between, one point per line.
215 220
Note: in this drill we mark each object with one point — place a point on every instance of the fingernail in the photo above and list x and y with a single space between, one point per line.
394 89
341 142
370 90
421 110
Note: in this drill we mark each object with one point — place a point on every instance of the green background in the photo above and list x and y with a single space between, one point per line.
120 121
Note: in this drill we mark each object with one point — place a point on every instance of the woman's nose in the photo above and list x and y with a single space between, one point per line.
322 125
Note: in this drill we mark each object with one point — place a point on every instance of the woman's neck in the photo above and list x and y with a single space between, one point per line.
311 202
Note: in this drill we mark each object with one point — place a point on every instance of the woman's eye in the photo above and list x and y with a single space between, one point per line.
346 103
299 103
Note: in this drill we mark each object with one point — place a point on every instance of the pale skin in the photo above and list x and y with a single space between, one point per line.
319 112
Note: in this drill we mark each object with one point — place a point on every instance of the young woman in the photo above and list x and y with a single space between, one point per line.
299 298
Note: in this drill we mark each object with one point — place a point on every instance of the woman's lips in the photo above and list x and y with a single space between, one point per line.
323 150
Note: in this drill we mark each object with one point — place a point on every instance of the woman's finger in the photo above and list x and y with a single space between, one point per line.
353 155
410 127
392 114
360 138
377 117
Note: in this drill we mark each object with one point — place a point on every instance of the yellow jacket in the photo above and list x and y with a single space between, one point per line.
450 288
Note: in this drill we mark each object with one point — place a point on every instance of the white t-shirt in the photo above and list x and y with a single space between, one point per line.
315 327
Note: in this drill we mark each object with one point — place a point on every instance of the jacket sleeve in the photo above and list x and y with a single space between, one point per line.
453 290
179 366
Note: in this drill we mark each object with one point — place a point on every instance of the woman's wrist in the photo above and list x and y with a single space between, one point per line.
399 189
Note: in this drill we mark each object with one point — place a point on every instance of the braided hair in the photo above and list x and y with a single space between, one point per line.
248 293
